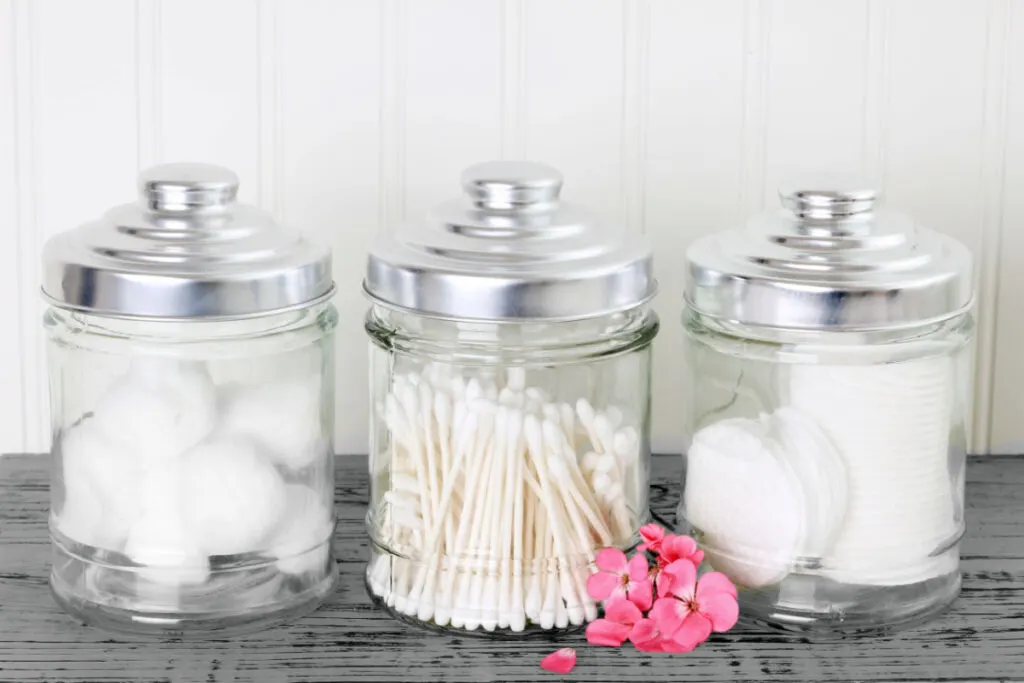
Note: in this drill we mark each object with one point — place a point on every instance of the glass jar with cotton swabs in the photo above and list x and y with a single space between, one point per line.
191 365
829 363
510 382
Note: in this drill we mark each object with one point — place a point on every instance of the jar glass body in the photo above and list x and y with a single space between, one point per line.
503 456
192 470
825 470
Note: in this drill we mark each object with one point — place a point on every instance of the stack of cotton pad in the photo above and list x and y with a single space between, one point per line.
500 497
762 493
891 423
170 470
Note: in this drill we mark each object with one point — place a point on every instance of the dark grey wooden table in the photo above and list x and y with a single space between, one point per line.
980 639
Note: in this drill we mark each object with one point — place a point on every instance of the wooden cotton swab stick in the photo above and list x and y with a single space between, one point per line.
517 614
468 537
491 547
510 503
577 486
535 442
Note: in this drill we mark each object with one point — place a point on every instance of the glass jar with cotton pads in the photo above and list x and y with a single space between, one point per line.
828 350
510 381
191 390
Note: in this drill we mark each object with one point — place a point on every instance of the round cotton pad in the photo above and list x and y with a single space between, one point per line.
744 502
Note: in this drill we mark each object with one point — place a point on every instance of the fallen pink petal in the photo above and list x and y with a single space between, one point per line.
560 661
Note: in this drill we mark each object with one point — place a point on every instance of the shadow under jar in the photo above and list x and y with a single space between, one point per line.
829 362
510 382
191 386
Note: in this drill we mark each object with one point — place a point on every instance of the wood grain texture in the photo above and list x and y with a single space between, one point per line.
348 639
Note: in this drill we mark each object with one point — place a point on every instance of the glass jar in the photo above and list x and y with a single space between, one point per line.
191 389
828 350
511 424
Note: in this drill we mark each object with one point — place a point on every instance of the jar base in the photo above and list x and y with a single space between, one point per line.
888 610
192 626
532 632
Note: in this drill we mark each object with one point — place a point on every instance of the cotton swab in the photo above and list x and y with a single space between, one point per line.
492 503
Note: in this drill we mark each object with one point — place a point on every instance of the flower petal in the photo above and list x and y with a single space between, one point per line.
695 630
641 594
679 548
721 609
560 661
638 568
601 585
612 560
714 582
652 535
668 614
698 558
607 633
622 611
644 631
682 576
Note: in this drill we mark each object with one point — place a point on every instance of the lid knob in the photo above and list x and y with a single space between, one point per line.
836 199
512 185
173 188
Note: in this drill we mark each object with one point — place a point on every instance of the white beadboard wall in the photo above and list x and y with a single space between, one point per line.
675 117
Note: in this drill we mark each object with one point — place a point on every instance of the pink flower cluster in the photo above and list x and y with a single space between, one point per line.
660 608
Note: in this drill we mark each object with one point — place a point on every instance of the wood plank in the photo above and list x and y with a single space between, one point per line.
980 639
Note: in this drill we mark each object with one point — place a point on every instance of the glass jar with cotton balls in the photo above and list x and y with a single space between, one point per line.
191 387
828 356
510 384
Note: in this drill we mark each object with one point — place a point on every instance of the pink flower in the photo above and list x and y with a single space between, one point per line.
688 610
652 535
679 548
619 617
646 636
560 661
618 576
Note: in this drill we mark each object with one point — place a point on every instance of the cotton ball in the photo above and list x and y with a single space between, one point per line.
168 555
234 496
742 498
162 406
109 469
284 417
81 514
299 542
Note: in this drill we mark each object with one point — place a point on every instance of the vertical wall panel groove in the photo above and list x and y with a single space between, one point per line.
148 38
513 80
1007 406
635 93
12 201
756 81
27 125
271 125
993 181
876 92
392 111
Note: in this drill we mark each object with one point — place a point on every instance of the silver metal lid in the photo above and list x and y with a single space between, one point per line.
186 249
829 260
509 250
